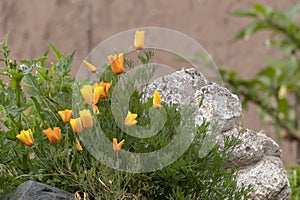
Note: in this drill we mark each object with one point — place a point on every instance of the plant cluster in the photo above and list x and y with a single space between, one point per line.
43 137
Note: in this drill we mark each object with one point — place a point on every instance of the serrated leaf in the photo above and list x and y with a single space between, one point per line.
56 51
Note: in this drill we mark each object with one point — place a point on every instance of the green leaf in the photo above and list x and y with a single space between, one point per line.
14 111
292 12
244 13
56 51
250 29
266 11
15 80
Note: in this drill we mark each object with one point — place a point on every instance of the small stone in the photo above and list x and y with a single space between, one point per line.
31 190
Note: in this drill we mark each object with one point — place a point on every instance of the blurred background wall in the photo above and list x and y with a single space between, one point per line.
82 24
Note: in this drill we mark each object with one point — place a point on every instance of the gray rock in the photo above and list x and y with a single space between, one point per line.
225 107
253 147
31 190
257 156
187 87
267 178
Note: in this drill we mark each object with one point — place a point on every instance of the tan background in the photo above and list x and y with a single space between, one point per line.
73 24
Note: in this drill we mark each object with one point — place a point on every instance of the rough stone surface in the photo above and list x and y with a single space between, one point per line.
267 178
253 147
31 190
257 157
187 87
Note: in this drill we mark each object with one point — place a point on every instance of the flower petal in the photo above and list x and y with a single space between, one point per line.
65 115
86 118
90 67
156 100
130 119
139 39
116 63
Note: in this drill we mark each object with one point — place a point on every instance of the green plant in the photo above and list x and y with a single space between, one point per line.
275 89
294 179
32 94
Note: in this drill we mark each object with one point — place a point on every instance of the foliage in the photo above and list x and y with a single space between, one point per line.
275 89
294 179
32 93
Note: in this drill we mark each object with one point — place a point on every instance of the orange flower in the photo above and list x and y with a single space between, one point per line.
106 86
65 115
76 125
87 93
86 118
116 63
78 145
26 137
130 119
139 40
156 100
117 146
53 135
90 67
95 109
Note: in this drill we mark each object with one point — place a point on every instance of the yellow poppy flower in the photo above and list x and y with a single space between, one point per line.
87 93
156 100
106 86
130 119
53 135
65 115
76 125
116 63
26 137
90 67
117 146
98 90
86 118
139 38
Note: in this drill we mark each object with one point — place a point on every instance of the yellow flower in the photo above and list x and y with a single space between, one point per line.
117 146
130 119
76 125
98 90
65 115
53 135
26 137
156 100
86 118
87 93
90 67
116 63
92 94
139 40
282 92
106 86
78 145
